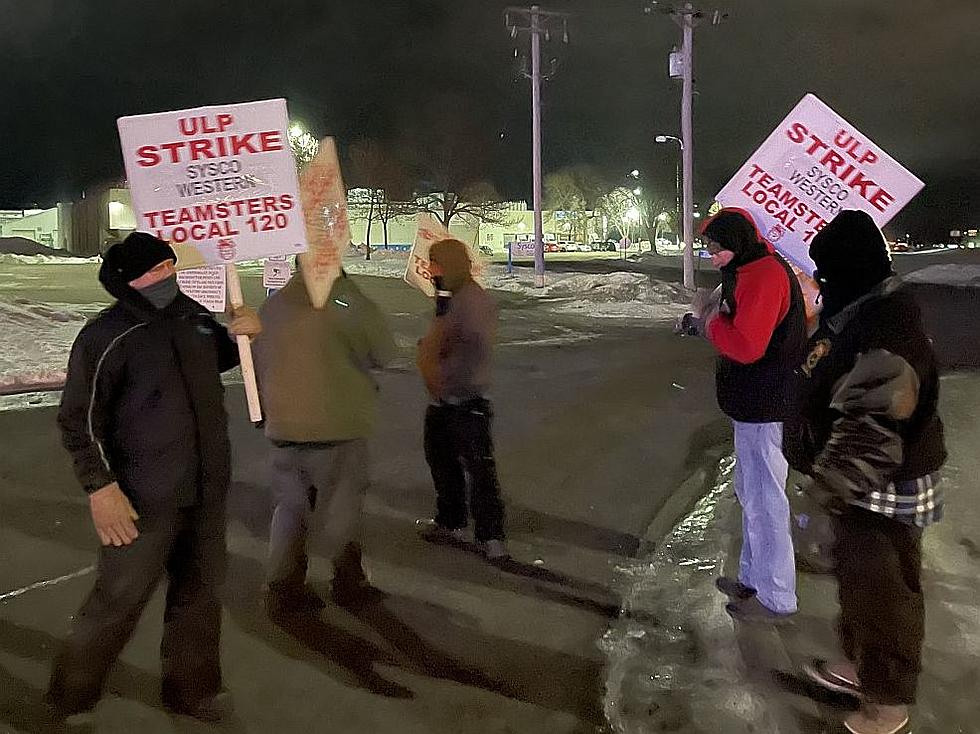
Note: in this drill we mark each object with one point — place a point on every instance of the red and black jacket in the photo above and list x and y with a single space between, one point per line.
760 340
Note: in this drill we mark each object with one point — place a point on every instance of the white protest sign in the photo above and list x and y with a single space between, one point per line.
417 272
219 183
430 230
327 227
205 285
812 166
275 273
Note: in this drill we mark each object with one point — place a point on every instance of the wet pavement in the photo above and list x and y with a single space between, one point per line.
596 424
678 663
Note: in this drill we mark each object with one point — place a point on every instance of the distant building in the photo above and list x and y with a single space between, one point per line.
105 215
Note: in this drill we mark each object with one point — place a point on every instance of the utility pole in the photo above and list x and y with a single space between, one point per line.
536 23
686 17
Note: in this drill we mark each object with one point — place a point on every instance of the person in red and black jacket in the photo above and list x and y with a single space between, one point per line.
759 331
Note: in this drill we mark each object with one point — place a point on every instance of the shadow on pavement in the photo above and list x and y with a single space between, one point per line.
306 637
517 670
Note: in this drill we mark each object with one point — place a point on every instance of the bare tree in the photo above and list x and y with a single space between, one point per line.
621 206
383 186
563 195
478 202
577 191
451 152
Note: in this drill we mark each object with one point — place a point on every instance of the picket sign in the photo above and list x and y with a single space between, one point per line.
812 166
324 200
418 270
236 300
219 183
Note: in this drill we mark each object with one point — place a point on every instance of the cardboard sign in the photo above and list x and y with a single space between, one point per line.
417 273
219 183
276 273
814 165
327 227
431 230
207 286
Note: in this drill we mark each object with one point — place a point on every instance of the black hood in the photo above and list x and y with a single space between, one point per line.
734 230
851 258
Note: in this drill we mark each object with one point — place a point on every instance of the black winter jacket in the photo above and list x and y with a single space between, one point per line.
143 402
869 391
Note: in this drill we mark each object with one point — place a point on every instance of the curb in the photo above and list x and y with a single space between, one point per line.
683 499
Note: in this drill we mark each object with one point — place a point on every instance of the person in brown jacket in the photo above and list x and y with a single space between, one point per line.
454 359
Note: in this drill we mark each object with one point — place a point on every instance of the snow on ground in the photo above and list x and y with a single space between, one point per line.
604 295
37 338
13 258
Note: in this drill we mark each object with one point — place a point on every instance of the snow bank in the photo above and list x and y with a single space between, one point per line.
963 276
603 295
15 259
37 338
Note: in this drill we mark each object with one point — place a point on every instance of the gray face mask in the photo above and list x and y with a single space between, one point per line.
162 293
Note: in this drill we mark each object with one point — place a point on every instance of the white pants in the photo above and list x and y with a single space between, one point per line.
767 564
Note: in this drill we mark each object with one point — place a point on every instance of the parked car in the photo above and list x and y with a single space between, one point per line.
486 250
551 247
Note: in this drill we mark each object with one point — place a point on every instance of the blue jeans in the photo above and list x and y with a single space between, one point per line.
767 563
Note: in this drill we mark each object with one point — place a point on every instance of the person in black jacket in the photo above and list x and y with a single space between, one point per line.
760 335
143 418
870 440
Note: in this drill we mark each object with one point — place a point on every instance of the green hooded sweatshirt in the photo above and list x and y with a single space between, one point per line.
314 366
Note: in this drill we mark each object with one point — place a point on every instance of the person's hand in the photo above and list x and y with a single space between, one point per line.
689 325
244 322
113 516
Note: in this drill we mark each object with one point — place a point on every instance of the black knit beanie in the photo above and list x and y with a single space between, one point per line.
735 231
851 258
134 256
851 247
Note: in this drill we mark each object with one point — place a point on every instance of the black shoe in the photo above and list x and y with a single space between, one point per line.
753 610
212 710
734 589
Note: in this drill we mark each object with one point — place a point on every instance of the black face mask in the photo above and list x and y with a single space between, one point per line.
162 293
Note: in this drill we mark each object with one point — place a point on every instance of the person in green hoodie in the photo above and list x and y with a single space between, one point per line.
321 403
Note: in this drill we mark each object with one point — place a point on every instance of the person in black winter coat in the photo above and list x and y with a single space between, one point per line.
870 439
143 418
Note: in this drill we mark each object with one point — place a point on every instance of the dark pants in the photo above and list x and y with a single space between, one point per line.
189 546
882 622
458 445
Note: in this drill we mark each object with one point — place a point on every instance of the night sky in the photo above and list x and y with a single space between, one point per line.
902 71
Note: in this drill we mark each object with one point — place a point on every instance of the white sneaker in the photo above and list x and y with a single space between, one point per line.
495 550
878 719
